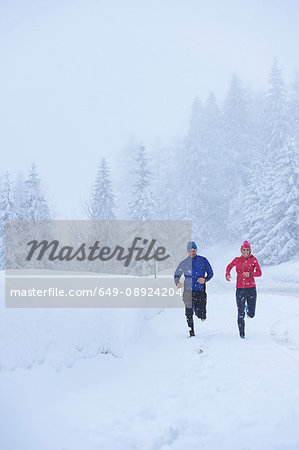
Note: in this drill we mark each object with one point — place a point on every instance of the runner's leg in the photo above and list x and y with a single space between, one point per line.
240 298
251 301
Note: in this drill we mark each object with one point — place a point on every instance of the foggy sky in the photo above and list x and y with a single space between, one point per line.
79 78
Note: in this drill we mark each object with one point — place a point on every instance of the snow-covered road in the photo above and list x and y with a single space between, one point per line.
163 393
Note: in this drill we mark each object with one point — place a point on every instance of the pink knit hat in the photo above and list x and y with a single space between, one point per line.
245 244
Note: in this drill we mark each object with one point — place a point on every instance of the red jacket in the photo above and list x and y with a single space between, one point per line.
242 264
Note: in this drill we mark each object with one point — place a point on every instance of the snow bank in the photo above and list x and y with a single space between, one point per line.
287 332
63 336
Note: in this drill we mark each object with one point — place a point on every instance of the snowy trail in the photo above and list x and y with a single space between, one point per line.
165 394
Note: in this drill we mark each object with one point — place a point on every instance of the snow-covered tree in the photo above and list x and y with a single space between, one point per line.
142 203
249 218
212 126
294 107
212 165
101 205
164 186
281 242
190 173
273 178
237 149
18 191
277 121
6 213
196 120
201 173
124 181
236 133
34 204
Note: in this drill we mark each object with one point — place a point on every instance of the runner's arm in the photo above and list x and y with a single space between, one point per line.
178 273
257 270
229 267
209 271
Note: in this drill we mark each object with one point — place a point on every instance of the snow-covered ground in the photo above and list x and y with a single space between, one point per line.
131 379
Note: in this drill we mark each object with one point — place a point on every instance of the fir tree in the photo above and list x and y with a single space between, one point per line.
189 201
273 184
125 177
190 172
6 213
212 166
142 204
34 205
196 120
200 180
294 107
277 125
18 190
281 241
237 150
102 202
250 220
236 133
165 186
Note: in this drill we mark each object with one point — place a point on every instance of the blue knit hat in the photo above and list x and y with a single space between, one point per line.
191 245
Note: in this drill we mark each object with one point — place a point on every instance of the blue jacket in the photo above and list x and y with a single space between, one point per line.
194 268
